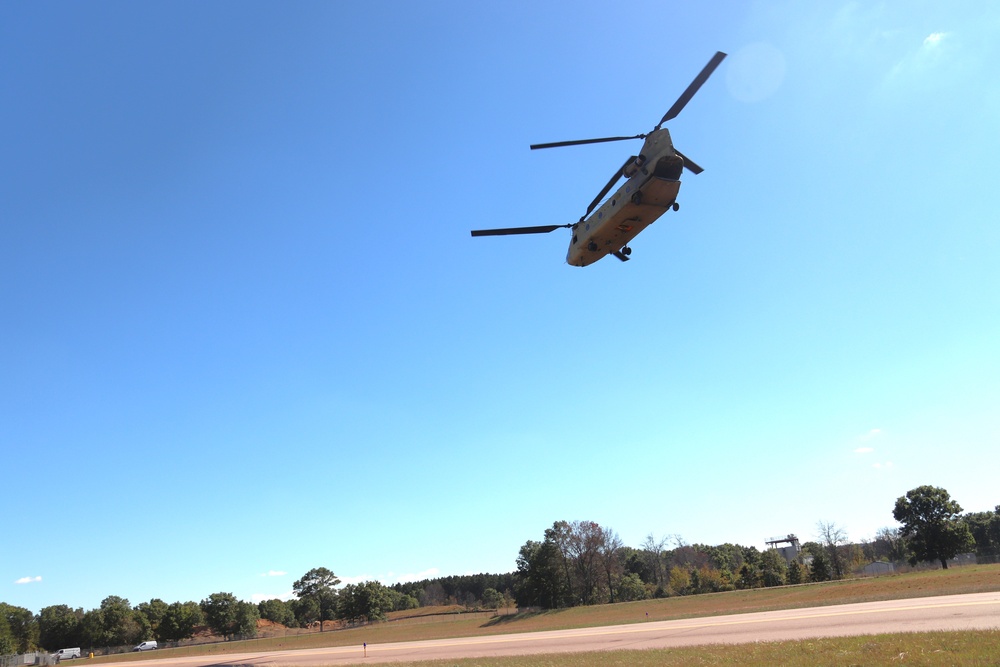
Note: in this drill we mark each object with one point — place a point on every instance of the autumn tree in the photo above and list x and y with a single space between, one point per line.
931 525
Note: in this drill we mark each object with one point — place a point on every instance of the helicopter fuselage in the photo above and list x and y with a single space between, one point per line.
651 189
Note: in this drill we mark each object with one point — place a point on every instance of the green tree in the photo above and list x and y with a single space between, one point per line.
796 572
153 611
931 525
220 613
318 584
492 598
363 602
179 621
114 623
245 623
306 611
401 601
820 569
92 629
749 576
59 627
21 626
631 588
541 580
773 568
985 529
277 611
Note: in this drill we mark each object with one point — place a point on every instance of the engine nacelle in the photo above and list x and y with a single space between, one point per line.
633 167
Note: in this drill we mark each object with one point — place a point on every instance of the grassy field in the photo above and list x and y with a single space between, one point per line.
970 579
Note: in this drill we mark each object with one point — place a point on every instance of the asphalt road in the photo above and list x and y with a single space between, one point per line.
951 612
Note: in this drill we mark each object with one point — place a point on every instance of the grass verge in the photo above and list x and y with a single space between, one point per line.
969 579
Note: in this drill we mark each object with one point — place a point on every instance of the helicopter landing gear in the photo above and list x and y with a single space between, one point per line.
675 206
623 253
637 198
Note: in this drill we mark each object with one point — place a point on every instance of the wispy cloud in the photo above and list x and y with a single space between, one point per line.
864 450
274 573
933 40
883 466
919 63
28 580
870 435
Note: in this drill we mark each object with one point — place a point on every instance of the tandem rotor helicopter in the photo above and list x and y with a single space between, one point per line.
651 189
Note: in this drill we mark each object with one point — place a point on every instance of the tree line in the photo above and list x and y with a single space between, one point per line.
574 563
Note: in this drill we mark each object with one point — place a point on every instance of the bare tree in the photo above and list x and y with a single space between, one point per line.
889 544
833 537
610 556
653 550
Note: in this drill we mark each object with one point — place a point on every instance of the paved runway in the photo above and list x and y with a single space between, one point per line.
951 612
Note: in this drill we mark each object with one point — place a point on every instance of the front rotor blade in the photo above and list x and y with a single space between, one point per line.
518 230
607 188
693 88
580 142
689 163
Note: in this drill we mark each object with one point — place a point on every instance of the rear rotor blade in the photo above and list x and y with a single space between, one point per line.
580 142
693 87
518 230
689 163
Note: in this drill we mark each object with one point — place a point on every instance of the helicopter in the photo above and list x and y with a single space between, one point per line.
650 191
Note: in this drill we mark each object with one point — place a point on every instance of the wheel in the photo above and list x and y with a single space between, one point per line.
626 250
676 206
637 198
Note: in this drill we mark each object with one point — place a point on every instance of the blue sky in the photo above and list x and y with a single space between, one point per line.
246 332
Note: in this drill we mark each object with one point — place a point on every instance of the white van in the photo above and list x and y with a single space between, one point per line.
145 646
66 653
